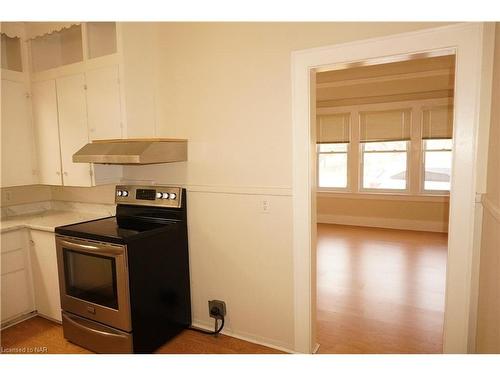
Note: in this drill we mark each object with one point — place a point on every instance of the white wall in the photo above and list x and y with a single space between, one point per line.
227 89
488 327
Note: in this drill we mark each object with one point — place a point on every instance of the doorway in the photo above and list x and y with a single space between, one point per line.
384 157
463 40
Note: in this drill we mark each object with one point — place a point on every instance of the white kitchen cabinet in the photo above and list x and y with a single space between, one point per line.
16 280
11 55
56 49
18 164
101 39
103 103
73 131
45 277
44 99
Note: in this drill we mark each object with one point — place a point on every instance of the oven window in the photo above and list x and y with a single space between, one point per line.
91 278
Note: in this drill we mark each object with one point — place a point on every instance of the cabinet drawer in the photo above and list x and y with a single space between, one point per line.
13 261
12 240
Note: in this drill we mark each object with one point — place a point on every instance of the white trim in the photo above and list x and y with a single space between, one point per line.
466 40
390 223
384 197
246 337
222 189
18 319
316 349
492 208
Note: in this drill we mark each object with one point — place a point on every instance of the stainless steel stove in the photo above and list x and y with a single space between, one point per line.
124 280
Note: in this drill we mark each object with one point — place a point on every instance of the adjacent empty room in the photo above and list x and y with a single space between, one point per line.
384 155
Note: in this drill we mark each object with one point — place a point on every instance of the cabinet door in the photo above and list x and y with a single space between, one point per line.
17 293
72 109
45 276
44 101
17 137
103 103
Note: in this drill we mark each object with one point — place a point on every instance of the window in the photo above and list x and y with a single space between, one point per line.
384 165
333 135
379 151
437 164
332 165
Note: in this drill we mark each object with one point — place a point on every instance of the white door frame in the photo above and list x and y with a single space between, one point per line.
466 40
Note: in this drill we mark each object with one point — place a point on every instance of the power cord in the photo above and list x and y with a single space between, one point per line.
215 311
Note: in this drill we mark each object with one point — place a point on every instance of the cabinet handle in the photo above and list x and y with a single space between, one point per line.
58 173
65 173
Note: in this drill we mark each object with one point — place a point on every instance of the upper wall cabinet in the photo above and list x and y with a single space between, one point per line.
11 53
18 167
103 103
44 99
101 39
18 161
72 112
57 49
118 60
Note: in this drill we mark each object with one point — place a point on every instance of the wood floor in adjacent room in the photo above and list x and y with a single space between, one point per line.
380 290
38 333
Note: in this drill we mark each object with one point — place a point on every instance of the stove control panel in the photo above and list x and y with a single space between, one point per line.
149 195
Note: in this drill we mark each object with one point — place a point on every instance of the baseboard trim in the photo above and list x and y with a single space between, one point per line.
376 222
253 339
18 320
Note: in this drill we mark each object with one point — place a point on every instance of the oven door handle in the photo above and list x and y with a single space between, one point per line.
92 248
84 327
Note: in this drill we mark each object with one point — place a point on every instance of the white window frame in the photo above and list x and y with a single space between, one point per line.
362 167
348 153
423 191
414 183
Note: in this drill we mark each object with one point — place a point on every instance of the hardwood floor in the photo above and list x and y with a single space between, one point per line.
38 333
380 290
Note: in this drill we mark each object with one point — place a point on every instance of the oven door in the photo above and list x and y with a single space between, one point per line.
93 280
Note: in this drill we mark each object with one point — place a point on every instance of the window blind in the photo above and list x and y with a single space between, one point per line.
437 122
333 128
380 126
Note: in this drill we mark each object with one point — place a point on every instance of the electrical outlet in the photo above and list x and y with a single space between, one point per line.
265 206
221 305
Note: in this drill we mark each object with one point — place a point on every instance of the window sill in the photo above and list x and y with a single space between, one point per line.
384 196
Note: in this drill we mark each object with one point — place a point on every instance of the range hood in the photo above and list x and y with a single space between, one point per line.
133 151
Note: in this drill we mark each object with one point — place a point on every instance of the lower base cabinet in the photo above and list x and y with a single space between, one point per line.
16 284
45 276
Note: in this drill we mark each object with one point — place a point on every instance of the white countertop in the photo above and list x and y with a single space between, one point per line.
47 220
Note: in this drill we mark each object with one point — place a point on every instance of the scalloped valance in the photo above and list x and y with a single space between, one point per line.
36 29
31 30
12 29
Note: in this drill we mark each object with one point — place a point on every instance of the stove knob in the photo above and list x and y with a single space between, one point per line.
125 193
159 195
119 193
173 195
166 195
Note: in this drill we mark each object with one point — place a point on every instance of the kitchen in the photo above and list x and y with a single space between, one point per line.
213 85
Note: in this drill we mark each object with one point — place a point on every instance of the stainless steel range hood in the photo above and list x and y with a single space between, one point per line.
133 151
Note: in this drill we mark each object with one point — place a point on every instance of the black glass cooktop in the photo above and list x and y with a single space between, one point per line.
109 230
